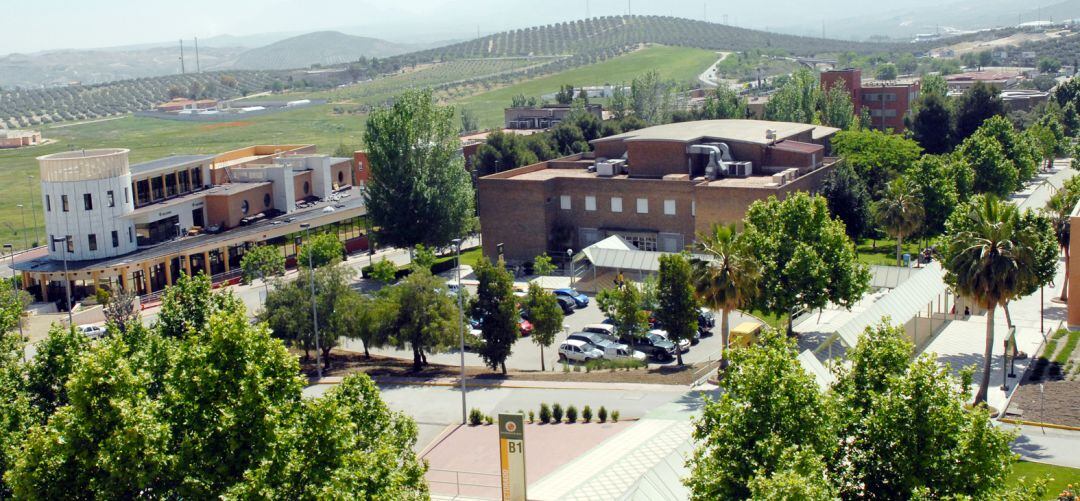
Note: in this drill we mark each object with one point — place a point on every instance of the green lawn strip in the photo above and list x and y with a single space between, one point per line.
1066 350
771 319
1061 476
884 253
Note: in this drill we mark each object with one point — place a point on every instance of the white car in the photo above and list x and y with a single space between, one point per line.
92 331
684 344
623 351
578 351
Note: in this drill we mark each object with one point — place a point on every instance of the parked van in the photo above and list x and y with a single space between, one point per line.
745 334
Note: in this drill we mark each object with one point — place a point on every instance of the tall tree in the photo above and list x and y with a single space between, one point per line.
931 124
877 157
993 172
936 191
422 317
262 261
807 259
978 103
726 278
722 103
288 309
188 305
418 190
56 358
652 98
678 312
546 317
848 200
623 306
496 309
1059 208
796 100
900 212
1021 152
322 249
365 318
984 257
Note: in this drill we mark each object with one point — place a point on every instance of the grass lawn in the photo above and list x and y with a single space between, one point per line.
773 320
680 63
1061 476
885 251
469 257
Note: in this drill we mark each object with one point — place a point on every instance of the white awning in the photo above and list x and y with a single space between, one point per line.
814 367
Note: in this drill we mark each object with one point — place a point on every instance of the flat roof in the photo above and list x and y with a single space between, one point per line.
745 131
170 162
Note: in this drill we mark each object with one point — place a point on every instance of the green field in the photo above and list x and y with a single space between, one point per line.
680 63
326 126
884 253
1060 476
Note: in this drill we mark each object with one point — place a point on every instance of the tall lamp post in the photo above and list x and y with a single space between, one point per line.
22 217
67 280
14 286
314 310
570 265
461 323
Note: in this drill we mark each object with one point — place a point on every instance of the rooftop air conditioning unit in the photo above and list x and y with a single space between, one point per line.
739 169
609 169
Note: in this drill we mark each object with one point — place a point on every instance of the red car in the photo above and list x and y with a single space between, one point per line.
526 327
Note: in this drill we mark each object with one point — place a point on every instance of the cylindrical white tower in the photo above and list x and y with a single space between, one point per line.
87 196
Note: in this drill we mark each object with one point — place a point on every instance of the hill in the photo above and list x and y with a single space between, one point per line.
96 66
324 48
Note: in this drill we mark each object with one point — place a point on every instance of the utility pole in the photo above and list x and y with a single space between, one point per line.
198 68
182 70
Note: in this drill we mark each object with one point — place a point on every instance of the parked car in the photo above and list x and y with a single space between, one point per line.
525 326
706 320
624 351
693 340
452 288
474 338
568 305
578 351
580 299
93 331
684 344
652 345
599 341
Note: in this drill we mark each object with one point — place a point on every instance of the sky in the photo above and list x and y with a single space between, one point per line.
55 24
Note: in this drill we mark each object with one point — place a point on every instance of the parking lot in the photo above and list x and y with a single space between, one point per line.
526 353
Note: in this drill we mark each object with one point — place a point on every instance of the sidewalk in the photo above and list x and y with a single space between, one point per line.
1047 445
495 383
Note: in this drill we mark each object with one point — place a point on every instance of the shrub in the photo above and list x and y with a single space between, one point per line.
613 365
586 414
601 415
532 417
475 416
614 416
488 420
556 413
545 413
571 414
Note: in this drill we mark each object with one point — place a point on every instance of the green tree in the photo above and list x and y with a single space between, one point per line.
496 309
978 103
985 256
931 123
418 190
623 306
503 151
900 212
877 157
934 84
796 100
1049 65
422 317
993 172
765 407
726 278
56 358
344 151
848 200
935 190
837 109
678 311
652 98
469 121
565 95
188 305
121 311
384 271
1023 155
799 474
288 309
365 318
722 103
320 250
542 265
568 139
17 413
423 257
807 259
262 261
546 317
620 101
886 71
1047 136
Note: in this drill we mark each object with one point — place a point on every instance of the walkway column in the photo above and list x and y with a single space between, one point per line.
206 263
225 257
168 272
187 264
146 278
44 279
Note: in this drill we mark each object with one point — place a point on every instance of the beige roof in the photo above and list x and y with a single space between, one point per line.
746 131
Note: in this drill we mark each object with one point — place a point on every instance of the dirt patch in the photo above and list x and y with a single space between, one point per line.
1050 389
223 125
343 363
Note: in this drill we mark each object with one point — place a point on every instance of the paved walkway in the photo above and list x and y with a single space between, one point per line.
543 385
1047 445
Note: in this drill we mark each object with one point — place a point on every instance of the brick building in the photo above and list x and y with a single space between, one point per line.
18 138
887 102
655 187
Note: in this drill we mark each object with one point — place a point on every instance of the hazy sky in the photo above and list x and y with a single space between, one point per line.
52 24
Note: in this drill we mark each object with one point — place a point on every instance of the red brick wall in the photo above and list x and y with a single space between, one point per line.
360 171
656 158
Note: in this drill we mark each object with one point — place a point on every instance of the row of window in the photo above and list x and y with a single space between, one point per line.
88 201
642 204
91 241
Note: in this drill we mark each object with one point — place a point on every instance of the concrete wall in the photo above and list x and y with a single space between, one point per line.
1073 303
78 222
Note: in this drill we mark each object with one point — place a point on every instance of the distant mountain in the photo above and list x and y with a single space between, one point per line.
321 47
94 66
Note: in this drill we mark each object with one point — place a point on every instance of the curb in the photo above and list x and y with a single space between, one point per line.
1040 425
446 432
475 384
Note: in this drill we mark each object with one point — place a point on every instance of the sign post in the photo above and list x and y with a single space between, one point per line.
512 456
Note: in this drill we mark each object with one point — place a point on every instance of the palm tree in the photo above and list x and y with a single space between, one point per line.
1059 208
725 277
900 212
986 256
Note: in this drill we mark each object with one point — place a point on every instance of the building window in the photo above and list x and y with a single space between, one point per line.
341 177
307 187
88 201
115 239
170 185
131 235
244 207
643 206
109 199
52 243
91 241
48 204
669 207
590 203
185 181
70 243
127 196
196 178
616 204
564 202
64 203
266 200
157 188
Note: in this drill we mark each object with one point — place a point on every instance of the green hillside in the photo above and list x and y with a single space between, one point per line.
321 47
679 63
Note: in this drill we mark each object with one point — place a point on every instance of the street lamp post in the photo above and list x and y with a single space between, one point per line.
314 310
22 217
67 280
461 323
570 265
14 286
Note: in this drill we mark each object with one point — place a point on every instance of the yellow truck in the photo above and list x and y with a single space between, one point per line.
745 334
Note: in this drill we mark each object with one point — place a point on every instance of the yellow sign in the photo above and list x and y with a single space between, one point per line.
512 456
